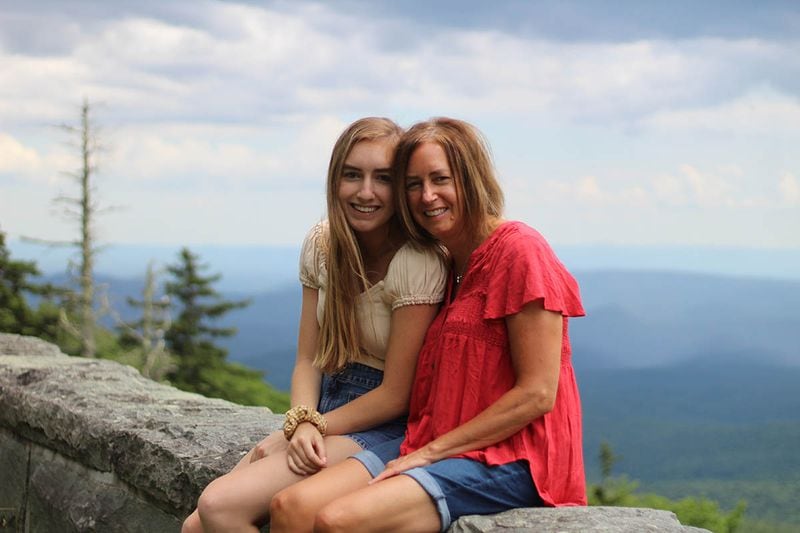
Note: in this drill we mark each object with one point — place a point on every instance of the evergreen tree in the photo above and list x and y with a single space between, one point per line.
16 316
201 365
190 337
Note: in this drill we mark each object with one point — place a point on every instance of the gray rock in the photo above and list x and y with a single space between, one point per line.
166 443
573 520
20 345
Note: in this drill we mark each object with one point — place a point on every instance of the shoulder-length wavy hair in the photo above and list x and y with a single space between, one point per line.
470 160
339 336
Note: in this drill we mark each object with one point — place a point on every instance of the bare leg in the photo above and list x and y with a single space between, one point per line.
239 500
293 509
395 504
340 499
192 522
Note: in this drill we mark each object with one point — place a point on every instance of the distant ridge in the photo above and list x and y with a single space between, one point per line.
264 267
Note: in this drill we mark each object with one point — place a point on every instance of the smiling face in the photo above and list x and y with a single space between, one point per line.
365 186
432 194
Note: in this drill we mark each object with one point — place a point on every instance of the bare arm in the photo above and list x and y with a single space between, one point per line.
306 452
305 378
535 338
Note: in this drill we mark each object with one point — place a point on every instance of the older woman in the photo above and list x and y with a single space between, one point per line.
495 420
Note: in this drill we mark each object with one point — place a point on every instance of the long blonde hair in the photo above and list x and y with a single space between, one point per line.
470 160
339 336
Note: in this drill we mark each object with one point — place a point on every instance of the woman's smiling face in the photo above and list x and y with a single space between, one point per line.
365 186
432 194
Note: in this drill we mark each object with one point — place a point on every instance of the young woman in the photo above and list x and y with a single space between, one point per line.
494 421
368 298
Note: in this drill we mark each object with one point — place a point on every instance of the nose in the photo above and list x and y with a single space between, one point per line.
367 189
428 194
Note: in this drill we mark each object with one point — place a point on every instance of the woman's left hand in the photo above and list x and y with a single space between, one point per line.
421 457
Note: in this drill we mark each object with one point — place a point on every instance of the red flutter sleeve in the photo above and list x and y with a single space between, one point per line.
526 269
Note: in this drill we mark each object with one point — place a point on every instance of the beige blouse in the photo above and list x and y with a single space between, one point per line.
414 277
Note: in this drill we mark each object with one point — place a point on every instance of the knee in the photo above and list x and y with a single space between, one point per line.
210 506
335 518
284 504
290 511
192 524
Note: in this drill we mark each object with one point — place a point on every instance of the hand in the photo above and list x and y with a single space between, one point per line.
306 452
420 457
271 444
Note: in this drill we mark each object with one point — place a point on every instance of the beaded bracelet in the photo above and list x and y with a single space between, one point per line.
302 413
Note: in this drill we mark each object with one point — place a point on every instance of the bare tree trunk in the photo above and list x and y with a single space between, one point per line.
87 251
83 209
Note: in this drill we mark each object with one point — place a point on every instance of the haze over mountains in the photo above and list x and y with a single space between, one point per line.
646 306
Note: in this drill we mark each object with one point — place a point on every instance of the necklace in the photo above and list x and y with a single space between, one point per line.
459 277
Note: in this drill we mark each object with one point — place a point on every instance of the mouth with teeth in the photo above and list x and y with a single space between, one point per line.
364 208
435 212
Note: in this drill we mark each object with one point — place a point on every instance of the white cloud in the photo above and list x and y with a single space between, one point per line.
760 112
14 157
789 190
249 63
240 104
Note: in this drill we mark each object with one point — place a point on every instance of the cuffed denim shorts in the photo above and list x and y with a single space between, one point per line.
459 486
347 385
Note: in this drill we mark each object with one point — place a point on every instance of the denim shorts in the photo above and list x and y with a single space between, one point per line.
459 486
347 385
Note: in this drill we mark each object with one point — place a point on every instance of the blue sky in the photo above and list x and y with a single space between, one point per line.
612 123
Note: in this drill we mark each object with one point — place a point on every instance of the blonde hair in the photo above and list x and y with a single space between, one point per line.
470 160
339 336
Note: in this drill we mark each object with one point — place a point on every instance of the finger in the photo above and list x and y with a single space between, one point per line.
310 453
302 464
319 447
386 474
256 455
293 467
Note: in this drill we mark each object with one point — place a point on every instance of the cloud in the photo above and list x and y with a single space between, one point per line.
216 103
254 64
789 190
759 112
687 187
15 157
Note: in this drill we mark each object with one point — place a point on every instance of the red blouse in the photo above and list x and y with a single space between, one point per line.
465 363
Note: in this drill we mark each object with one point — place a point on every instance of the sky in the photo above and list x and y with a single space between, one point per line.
611 123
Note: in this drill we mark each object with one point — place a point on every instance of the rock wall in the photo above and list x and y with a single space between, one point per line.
90 445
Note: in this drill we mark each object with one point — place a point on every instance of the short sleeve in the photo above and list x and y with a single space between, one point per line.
312 256
526 269
415 277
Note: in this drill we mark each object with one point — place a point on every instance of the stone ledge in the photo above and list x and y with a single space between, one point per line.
91 445
166 443
574 520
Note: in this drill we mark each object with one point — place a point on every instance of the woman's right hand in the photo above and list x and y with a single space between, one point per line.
272 443
306 452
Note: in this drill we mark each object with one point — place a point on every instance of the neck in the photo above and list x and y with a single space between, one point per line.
462 246
375 243
460 250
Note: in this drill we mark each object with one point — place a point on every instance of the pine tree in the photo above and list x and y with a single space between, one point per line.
201 365
191 335
16 315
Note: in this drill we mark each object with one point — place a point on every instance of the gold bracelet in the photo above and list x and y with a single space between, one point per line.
302 413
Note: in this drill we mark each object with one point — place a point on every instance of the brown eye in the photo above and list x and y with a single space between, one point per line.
412 185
